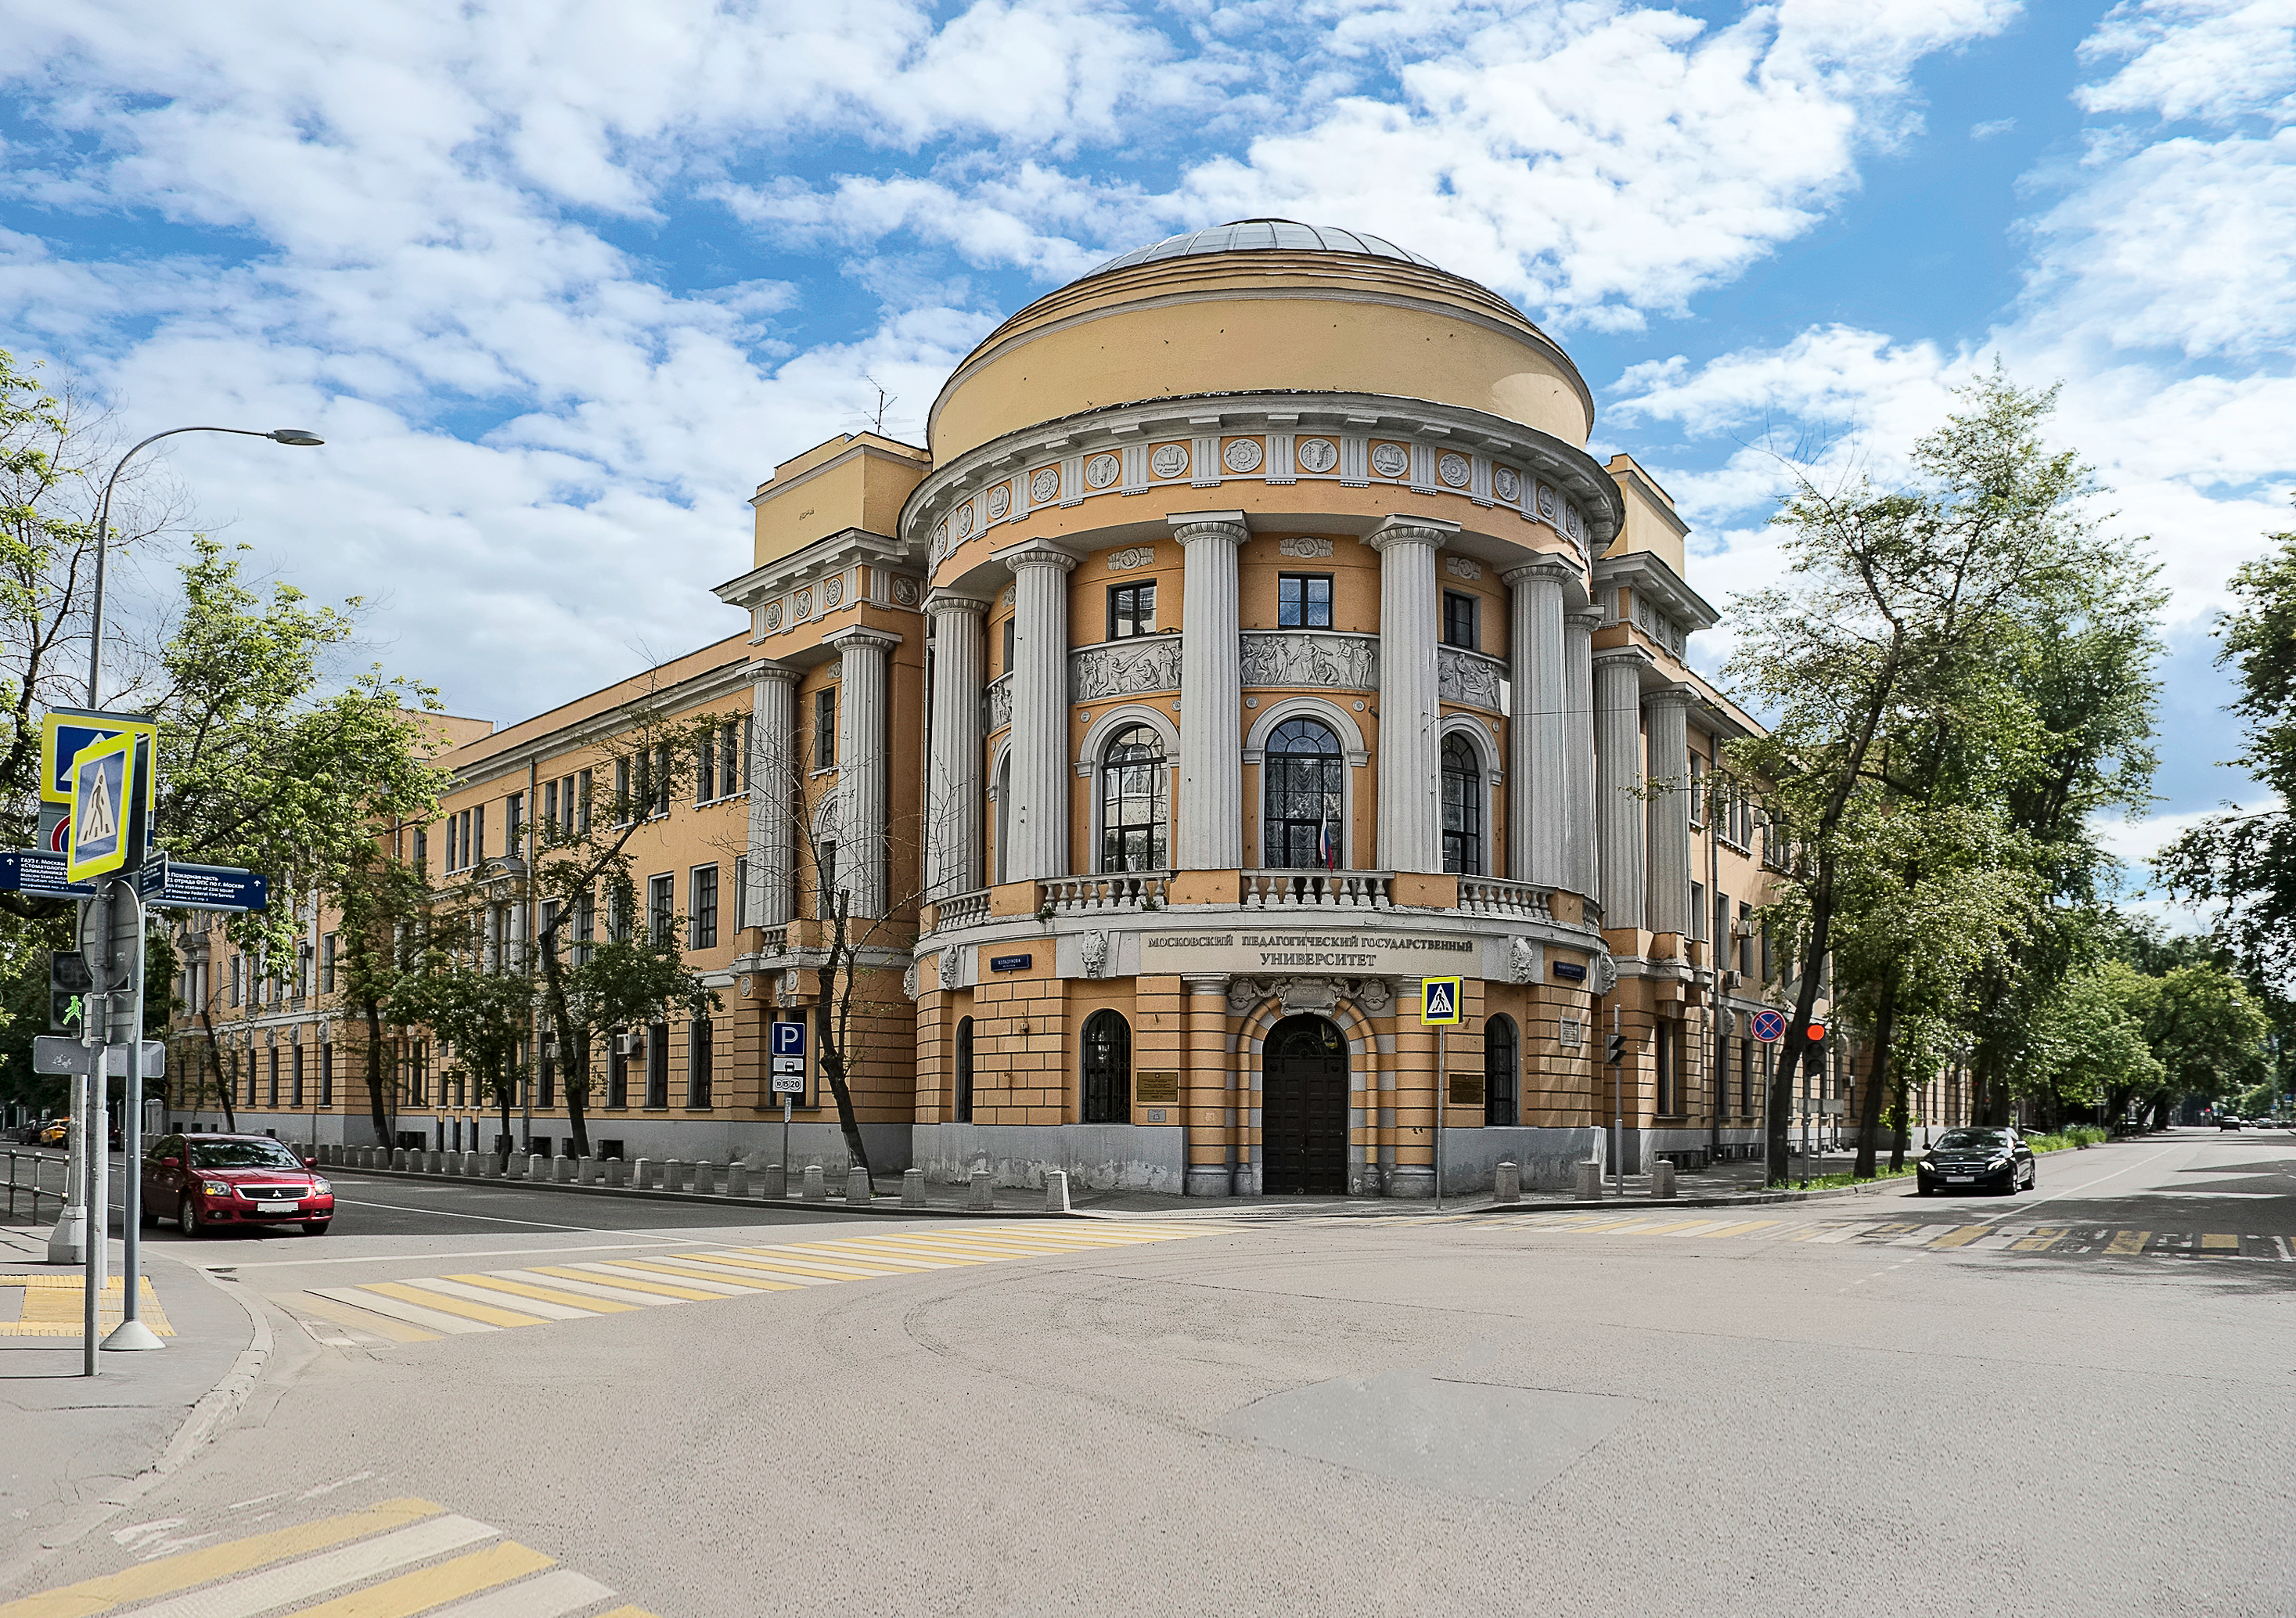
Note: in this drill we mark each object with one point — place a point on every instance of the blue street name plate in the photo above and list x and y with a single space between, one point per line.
188 887
1008 963
39 874
1571 970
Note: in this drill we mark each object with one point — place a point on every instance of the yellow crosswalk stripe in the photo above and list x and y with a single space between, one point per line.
628 1283
169 1575
2128 1241
2220 1243
445 1303
1745 1229
1963 1237
2040 1241
426 1588
856 1267
723 1286
544 1295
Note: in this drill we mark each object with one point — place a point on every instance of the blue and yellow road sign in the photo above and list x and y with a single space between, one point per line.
66 732
1440 999
102 813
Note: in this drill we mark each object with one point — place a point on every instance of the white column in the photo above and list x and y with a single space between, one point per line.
1210 836
773 791
1667 908
1410 779
1037 822
1618 783
954 793
1538 776
862 765
1585 869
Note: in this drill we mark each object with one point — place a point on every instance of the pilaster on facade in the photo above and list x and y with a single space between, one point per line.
861 752
1410 778
772 761
953 786
1209 835
1037 821
1538 741
1582 860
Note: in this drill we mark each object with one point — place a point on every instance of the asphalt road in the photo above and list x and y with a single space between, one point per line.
1825 1408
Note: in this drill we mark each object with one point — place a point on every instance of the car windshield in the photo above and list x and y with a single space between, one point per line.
242 1154
1971 1140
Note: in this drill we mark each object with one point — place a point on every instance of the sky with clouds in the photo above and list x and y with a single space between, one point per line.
560 280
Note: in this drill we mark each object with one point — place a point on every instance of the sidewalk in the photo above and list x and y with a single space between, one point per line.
77 1449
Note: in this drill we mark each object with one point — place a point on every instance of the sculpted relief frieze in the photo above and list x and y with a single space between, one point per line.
997 704
1326 660
1467 678
1127 669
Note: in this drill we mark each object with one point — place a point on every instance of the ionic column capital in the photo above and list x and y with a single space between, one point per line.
855 638
1670 697
1586 620
1191 526
1206 982
1400 530
765 671
1544 567
1034 553
949 603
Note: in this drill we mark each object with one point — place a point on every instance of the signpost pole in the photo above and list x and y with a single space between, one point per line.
1441 1080
96 1149
1618 1116
785 1122
131 1333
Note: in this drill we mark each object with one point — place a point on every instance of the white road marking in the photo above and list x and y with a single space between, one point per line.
301 1580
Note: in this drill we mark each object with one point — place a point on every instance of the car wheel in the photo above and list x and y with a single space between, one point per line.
187 1218
315 1227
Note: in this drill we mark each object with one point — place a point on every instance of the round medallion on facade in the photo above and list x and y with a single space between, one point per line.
1101 470
1169 461
1241 454
801 604
1000 501
1388 460
940 540
1453 469
1045 486
773 615
832 591
905 591
964 521
1317 455
1573 523
1505 482
1547 504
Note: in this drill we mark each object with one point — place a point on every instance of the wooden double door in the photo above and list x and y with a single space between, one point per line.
1303 1116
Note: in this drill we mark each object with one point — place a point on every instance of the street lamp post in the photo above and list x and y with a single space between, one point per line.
131 1333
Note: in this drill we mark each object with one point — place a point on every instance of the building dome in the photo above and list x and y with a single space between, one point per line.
1261 235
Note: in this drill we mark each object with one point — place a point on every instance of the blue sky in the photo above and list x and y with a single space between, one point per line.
561 281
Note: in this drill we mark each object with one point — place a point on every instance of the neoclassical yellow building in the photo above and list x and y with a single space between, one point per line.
1253 637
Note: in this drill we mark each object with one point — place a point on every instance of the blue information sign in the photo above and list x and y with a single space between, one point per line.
789 1039
40 874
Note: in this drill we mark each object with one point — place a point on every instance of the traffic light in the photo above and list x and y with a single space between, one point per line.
1818 1033
69 981
1617 1051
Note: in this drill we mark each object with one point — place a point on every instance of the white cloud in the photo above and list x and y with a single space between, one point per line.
2209 60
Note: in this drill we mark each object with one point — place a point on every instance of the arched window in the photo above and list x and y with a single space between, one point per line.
1502 1055
1107 1068
1300 823
1462 808
1133 816
964 1069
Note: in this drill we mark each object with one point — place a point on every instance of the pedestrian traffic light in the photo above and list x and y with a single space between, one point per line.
69 981
1818 1033
1618 1049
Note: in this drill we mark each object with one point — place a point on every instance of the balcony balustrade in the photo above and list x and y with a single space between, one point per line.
1315 889
961 910
1112 890
1494 896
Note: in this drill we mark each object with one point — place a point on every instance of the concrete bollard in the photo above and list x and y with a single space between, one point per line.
1662 1178
737 1179
857 1188
617 1174
772 1183
397 1159
641 1174
585 1170
1056 1191
1507 1183
983 1193
705 1178
538 1166
568 1169
1590 1182
674 1173
816 1189
913 1188
433 1163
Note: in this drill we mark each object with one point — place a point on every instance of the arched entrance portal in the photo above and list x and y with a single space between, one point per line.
1303 1119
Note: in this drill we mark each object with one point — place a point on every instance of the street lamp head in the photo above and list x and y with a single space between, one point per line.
296 435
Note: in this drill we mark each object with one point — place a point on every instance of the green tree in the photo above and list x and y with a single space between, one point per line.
2243 862
484 1017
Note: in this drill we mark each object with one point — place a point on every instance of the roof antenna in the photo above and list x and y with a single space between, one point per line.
877 424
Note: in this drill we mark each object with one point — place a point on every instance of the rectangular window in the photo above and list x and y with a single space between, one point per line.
661 905
585 925
618 1071
327 964
729 758
824 903
1724 954
1131 610
514 821
275 1076
478 850
234 987
740 891
550 804
1005 665
1670 1098
1303 601
661 779
702 908
1746 938
1698 909
296 1078
582 802
824 728
625 810
1697 790
421 849
698 1063
657 1061
705 770
1459 621
549 1086
326 1075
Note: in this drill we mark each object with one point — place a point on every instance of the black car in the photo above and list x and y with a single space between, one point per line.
1980 1159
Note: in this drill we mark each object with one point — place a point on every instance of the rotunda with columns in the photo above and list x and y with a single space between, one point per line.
1254 638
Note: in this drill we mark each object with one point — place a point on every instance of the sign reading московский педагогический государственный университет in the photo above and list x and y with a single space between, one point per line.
1373 954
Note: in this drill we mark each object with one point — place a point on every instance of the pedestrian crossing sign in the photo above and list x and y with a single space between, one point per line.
102 811
1439 1001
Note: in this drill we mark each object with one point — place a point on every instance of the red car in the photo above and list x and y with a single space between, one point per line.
203 1181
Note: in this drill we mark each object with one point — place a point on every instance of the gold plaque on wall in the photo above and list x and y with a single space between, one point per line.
1466 1089
1156 1089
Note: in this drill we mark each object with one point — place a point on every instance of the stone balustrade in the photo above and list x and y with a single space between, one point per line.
961 910
1116 890
1496 896
1315 889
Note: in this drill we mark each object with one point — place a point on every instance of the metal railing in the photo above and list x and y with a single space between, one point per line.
1496 896
1111 890
1317 890
32 1185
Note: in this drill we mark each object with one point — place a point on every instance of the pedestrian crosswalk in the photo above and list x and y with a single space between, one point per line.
1949 1236
395 1559
56 1305
542 1292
